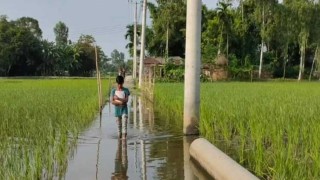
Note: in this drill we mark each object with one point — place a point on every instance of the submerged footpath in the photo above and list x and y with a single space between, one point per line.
152 150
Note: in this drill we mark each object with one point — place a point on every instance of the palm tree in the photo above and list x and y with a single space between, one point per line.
49 56
130 37
224 16
167 16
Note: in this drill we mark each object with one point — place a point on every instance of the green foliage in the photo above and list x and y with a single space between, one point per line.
238 71
39 130
172 73
62 32
291 72
23 52
117 59
166 16
264 127
130 37
20 48
285 28
85 56
209 54
31 24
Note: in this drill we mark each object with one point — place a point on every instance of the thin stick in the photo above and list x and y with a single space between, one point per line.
109 93
98 82
100 89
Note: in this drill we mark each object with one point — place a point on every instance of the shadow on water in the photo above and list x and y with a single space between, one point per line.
152 149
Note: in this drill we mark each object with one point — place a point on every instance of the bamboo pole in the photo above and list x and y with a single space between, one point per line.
101 94
98 79
109 93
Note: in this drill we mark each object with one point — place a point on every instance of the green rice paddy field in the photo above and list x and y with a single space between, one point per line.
272 129
39 124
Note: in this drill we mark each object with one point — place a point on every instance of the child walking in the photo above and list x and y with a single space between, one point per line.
120 96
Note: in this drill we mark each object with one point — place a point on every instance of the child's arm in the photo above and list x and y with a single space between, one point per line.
122 100
119 101
115 98
127 94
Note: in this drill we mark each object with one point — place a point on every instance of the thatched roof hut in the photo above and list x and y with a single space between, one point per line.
218 70
221 60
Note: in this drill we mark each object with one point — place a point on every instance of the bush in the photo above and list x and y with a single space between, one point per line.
291 72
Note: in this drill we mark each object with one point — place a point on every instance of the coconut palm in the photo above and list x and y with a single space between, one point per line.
225 19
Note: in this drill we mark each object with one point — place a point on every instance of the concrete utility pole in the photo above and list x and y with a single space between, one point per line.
192 68
143 39
135 42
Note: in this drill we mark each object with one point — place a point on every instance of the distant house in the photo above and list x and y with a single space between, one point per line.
177 60
217 71
152 62
153 66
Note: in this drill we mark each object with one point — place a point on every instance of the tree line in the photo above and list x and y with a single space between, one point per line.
24 52
281 38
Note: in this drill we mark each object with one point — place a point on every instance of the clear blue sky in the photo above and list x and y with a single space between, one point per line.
106 20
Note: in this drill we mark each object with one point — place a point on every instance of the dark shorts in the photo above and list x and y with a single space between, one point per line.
121 110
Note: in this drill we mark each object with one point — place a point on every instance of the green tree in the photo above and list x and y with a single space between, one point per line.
31 24
224 18
302 13
117 59
66 59
49 56
263 15
84 58
130 37
62 32
283 33
210 40
315 37
168 28
5 48
20 50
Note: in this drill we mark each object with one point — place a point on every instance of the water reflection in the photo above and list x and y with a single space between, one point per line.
154 149
188 173
140 114
134 101
146 115
167 150
98 157
121 161
143 161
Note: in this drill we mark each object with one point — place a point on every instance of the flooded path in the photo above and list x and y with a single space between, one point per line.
150 151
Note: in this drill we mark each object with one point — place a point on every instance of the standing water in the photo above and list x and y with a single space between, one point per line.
150 151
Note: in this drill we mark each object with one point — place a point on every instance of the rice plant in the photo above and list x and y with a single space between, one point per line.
270 128
39 124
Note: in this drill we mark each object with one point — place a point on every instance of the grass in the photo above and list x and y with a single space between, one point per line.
39 124
270 128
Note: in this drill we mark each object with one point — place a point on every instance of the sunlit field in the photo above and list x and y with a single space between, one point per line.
272 129
39 123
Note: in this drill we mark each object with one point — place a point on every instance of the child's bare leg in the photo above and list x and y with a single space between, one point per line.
124 125
119 123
